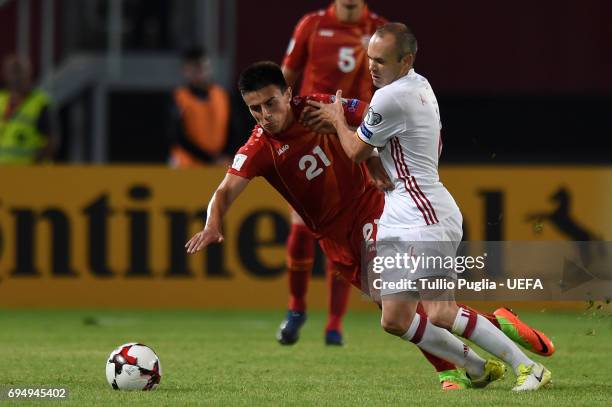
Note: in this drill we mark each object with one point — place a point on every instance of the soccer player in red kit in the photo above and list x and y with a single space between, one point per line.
310 170
328 49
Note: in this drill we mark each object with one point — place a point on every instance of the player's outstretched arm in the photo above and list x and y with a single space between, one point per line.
226 193
333 113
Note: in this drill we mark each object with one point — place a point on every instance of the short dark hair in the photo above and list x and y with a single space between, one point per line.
193 54
405 41
259 75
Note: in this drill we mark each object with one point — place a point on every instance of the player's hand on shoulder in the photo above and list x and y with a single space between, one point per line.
312 119
332 113
202 239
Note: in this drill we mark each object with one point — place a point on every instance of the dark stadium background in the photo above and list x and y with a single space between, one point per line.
518 82
92 248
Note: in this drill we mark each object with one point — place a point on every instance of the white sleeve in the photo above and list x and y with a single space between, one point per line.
383 120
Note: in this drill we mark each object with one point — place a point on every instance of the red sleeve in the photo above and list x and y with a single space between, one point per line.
378 20
252 158
354 109
297 51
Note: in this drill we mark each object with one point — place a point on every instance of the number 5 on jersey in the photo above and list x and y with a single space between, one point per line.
346 59
310 164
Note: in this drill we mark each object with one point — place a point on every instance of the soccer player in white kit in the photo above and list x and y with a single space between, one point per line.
403 124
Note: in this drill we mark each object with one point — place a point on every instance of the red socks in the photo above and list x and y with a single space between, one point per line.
339 290
300 256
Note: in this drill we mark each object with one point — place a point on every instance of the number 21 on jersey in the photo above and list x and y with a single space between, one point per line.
310 164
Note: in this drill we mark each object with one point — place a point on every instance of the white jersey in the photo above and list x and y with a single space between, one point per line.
403 122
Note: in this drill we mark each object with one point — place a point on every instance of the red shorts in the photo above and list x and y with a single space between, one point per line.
346 250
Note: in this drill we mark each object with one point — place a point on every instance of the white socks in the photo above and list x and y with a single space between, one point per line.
443 344
483 333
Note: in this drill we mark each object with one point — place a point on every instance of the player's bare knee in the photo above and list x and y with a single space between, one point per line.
441 317
436 319
393 326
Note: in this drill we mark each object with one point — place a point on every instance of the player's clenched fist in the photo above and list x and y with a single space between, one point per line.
202 239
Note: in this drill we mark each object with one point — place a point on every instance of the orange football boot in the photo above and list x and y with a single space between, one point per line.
521 333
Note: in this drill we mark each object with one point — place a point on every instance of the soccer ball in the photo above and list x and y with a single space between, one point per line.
133 366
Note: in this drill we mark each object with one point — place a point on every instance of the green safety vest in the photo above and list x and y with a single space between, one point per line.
20 139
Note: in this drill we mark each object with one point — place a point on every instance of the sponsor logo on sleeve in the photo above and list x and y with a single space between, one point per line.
373 118
239 160
364 131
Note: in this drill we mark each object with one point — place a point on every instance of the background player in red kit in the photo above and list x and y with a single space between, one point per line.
328 49
300 163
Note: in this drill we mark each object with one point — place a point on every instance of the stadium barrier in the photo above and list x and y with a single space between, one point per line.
113 236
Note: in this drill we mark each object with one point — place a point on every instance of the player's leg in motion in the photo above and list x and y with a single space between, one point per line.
509 323
503 319
450 377
339 290
470 325
399 318
444 312
300 257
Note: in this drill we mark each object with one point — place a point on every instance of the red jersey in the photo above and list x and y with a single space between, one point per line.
310 170
333 54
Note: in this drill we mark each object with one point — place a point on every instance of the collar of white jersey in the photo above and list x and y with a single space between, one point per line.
410 74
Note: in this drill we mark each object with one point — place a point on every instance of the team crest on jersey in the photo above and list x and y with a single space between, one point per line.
239 160
373 118
282 149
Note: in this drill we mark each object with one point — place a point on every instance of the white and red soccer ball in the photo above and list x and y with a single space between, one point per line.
133 366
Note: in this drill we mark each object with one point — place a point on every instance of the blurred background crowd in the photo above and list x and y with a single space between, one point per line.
105 81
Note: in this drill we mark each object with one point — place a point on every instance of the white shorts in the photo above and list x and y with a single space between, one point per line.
447 230
417 253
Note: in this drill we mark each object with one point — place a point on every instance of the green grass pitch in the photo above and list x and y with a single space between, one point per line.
231 358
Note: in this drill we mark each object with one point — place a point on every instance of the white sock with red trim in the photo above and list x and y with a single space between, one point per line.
482 332
443 344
